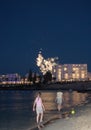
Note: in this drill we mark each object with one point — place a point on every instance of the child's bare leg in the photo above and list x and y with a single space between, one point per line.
41 120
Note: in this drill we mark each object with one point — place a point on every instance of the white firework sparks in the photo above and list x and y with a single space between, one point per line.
45 64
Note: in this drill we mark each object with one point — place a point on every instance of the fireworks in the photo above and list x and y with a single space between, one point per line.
45 64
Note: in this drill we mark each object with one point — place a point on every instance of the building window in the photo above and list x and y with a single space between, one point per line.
73 76
74 69
82 76
54 70
59 77
66 76
77 76
65 68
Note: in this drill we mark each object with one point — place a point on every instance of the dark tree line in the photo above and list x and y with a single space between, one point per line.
32 77
47 77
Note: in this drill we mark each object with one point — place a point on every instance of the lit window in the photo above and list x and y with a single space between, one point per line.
73 76
77 75
83 76
59 76
66 76
74 69
54 70
65 69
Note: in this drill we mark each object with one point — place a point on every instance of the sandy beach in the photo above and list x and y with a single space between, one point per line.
81 120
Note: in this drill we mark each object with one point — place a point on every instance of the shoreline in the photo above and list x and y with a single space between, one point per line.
82 117
71 86
65 115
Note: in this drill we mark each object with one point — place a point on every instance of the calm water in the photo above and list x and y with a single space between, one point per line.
16 107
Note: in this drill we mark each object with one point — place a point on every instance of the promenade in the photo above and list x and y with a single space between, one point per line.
81 120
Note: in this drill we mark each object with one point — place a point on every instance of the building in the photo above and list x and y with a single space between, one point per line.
10 78
89 76
70 72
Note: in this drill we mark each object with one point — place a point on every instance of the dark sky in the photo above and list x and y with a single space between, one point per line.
60 27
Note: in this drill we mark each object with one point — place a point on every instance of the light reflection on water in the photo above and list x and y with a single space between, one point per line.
16 107
69 99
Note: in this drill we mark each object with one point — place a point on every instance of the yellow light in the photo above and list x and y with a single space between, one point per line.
73 112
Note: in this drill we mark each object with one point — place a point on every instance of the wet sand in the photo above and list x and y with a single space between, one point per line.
65 120
81 120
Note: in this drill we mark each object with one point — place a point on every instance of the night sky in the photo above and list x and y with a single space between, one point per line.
61 28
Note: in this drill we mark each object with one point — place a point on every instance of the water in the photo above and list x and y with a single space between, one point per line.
16 107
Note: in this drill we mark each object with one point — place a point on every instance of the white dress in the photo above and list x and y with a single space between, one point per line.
39 108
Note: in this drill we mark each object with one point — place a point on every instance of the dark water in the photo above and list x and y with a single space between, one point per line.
16 107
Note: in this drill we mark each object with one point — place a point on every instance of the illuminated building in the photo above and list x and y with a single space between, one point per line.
89 76
65 72
70 72
10 78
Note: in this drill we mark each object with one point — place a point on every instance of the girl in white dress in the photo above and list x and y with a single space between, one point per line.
59 98
39 107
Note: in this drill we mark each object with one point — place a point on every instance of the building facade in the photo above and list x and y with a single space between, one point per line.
70 72
10 78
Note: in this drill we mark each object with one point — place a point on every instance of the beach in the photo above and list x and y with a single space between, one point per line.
16 108
81 120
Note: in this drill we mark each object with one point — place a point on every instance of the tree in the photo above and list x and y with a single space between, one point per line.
34 78
40 78
30 78
54 79
47 77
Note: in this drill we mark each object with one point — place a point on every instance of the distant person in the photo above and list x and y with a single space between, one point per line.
59 99
39 107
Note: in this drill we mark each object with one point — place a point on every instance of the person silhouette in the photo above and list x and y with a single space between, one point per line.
59 99
39 107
